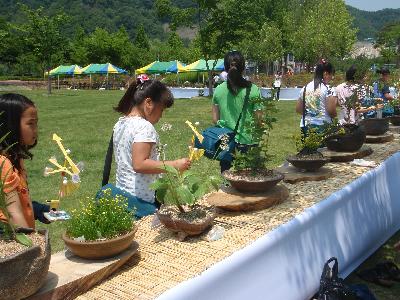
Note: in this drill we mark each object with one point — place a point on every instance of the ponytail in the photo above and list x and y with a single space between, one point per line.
234 63
140 90
322 66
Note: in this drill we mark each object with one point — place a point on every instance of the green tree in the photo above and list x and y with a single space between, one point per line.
388 41
325 31
141 39
44 36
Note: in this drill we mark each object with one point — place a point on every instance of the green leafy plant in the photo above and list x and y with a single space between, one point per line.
257 156
104 218
182 188
310 142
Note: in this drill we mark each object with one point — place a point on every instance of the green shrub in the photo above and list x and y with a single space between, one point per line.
106 217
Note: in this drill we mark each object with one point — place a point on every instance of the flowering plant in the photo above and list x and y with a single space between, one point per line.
104 218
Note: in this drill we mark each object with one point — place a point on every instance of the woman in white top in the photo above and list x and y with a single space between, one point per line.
320 98
135 138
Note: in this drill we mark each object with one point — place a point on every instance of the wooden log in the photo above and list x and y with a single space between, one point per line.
232 200
334 156
70 276
293 175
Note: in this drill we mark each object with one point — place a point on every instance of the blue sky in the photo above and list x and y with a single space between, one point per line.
373 5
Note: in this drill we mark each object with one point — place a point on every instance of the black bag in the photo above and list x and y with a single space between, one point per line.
215 137
331 286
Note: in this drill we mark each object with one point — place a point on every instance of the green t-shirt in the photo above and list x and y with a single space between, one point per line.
230 106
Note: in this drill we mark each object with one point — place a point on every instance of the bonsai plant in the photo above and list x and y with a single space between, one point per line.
249 172
308 158
178 193
24 261
395 119
100 228
348 136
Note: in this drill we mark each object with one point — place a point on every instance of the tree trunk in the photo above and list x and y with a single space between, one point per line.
48 81
210 83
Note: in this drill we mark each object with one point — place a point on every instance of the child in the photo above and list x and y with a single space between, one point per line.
18 121
135 138
320 98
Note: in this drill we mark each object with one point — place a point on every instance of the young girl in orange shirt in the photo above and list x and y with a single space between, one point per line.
19 123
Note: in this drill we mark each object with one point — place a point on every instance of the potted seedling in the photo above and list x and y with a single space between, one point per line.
101 227
308 158
178 192
24 256
249 172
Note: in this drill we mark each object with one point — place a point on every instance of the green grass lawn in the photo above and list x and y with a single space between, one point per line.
84 120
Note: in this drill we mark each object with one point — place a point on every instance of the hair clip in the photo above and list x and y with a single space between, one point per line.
323 61
141 79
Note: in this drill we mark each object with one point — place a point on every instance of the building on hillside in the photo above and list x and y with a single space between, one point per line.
365 48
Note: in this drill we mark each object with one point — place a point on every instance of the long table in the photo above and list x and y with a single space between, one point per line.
286 263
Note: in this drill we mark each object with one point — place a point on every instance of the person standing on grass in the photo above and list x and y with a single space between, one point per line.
320 98
277 84
135 139
228 100
19 126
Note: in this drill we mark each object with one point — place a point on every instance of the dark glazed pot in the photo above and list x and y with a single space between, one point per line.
22 274
310 165
351 141
374 126
395 120
248 185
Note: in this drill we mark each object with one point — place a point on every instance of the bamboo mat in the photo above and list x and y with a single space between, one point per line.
163 262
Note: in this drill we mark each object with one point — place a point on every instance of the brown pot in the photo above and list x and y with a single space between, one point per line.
22 274
311 165
250 185
375 126
174 220
100 249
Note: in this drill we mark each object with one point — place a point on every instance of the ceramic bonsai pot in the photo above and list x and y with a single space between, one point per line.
244 181
100 249
351 141
22 274
310 164
192 222
395 120
374 126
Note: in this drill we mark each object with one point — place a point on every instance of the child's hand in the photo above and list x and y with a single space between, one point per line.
182 164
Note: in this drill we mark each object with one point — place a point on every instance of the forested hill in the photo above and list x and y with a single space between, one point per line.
89 14
370 22
112 14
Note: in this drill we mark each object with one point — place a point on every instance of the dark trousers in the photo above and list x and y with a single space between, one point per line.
242 148
277 92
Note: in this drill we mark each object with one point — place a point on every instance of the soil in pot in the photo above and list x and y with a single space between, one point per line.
248 181
310 162
24 270
193 221
350 141
102 248
375 126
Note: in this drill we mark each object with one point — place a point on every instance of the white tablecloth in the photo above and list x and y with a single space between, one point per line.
287 262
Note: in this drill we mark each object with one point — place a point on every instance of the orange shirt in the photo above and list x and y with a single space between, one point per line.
16 181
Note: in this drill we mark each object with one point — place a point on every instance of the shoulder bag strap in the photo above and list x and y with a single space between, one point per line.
246 100
107 162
